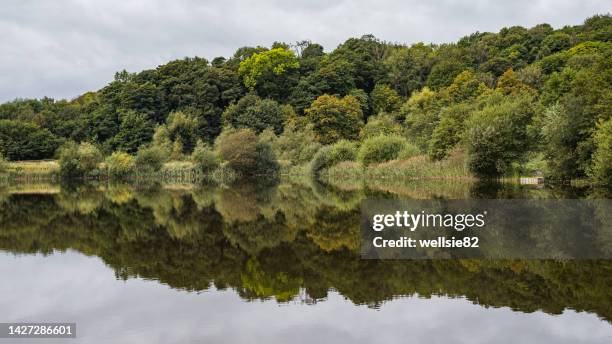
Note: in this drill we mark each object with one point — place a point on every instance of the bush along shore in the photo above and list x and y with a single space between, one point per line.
531 102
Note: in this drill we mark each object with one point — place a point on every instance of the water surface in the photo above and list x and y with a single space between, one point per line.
274 263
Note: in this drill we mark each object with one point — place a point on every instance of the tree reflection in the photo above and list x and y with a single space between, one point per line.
274 241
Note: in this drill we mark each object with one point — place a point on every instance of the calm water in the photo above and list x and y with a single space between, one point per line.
274 264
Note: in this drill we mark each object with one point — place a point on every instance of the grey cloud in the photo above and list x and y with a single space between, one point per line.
63 48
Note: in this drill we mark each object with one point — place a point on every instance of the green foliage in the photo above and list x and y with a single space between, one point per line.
246 154
161 138
509 83
408 67
444 72
410 150
328 156
575 101
173 106
266 161
497 135
385 99
601 170
3 164
555 42
465 87
182 128
120 164
151 159
335 118
268 72
296 144
421 113
78 161
379 125
380 149
449 130
135 130
254 113
224 174
204 158
26 141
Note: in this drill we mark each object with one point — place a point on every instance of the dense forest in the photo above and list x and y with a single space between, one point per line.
520 101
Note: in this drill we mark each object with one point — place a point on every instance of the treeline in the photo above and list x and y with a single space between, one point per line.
523 100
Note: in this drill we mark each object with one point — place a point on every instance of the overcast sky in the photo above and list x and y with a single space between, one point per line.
62 48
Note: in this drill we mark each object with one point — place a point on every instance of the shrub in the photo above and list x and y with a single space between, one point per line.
245 153
204 158
330 155
3 164
151 159
21 140
266 162
78 160
298 145
380 124
449 130
601 169
410 150
120 164
238 149
496 136
380 149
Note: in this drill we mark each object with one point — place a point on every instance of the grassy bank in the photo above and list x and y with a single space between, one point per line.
34 170
45 170
417 167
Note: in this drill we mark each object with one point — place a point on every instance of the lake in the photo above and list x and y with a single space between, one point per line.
275 263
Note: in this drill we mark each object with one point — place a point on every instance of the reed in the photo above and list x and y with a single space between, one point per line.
417 167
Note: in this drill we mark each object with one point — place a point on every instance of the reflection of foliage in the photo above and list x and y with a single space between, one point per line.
264 285
293 242
255 235
335 229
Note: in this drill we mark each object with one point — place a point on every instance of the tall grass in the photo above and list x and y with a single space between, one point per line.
417 167
39 170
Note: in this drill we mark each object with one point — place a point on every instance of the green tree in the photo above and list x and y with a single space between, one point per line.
183 128
385 99
151 159
134 131
421 113
328 156
601 170
496 136
380 149
26 141
254 113
204 158
3 164
408 68
270 72
77 161
465 87
120 164
335 118
553 43
382 124
449 130
297 144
